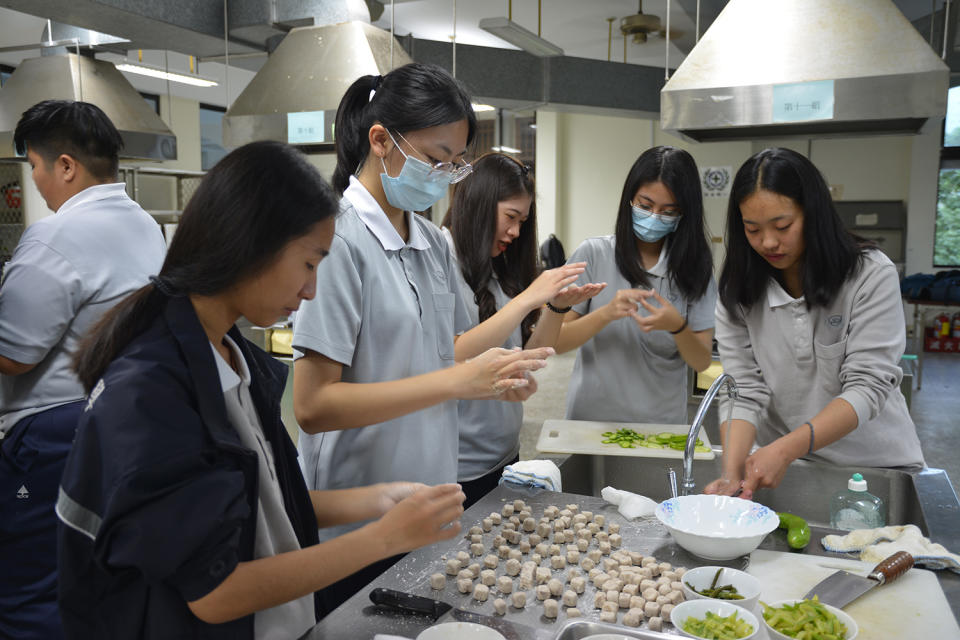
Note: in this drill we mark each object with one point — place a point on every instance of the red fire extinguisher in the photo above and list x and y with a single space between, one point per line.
942 325
956 325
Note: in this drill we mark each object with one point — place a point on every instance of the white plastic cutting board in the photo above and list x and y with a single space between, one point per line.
586 437
914 606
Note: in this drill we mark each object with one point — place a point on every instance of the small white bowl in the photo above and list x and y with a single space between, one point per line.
699 608
702 577
845 618
460 631
716 527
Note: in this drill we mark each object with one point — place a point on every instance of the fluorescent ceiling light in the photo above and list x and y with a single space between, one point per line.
505 149
518 36
482 107
172 76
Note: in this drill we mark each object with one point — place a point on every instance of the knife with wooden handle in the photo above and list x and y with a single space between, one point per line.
841 588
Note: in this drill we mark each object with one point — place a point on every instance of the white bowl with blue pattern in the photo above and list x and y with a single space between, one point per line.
716 527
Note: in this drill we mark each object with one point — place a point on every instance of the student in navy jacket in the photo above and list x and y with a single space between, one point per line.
183 512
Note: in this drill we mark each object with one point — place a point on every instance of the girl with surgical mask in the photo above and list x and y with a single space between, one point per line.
378 370
656 316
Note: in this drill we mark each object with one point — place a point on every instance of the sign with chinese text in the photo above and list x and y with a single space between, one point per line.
803 101
308 127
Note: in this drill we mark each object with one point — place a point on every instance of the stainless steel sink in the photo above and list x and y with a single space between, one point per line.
806 488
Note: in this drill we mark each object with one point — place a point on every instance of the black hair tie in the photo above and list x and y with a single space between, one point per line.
163 286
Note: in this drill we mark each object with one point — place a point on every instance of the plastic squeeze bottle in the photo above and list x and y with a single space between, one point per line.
855 508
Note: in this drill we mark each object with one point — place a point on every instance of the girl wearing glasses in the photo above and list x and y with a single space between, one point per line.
499 282
656 315
811 327
376 385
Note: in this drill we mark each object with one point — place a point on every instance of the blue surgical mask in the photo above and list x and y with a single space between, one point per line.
650 226
418 187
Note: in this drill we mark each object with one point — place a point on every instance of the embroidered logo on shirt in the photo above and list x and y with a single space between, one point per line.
99 388
834 321
22 493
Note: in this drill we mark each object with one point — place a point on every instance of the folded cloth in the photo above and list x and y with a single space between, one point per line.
630 505
537 474
876 544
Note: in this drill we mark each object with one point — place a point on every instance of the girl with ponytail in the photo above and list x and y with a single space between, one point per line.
381 366
492 228
184 510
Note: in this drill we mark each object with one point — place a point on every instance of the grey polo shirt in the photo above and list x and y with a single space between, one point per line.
489 429
275 534
790 362
385 310
623 374
66 272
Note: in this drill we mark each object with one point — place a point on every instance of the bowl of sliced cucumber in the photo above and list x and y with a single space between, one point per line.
790 619
714 619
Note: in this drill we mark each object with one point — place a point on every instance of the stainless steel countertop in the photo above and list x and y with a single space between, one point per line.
358 619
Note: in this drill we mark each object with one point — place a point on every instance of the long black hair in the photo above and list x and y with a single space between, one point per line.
831 254
409 98
246 210
472 221
689 262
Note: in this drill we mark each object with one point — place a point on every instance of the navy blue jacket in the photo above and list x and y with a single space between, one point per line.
158 500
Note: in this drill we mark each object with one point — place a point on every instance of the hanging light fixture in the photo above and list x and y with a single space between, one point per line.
532 43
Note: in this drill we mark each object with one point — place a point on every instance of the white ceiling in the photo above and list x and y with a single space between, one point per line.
580 28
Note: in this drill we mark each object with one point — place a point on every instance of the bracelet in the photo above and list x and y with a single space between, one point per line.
558 309
682 327
810 424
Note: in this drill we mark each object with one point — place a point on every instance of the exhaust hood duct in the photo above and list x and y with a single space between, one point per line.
807 68
73 77
294 97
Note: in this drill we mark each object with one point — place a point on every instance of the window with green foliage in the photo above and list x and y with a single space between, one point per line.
946 245
946 237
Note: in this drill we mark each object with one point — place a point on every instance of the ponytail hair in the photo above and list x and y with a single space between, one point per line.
472 221
409 98
246 210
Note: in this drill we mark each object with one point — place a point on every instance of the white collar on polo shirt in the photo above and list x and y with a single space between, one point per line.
660 269
777 296
229 378
92 194
376 220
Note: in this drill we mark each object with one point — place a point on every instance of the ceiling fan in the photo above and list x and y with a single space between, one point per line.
640 25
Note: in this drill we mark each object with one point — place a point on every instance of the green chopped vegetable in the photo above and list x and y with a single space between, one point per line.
715 627
724 592
630 439
805 620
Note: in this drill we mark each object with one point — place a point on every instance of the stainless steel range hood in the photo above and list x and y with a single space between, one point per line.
805 67
73 77
294 97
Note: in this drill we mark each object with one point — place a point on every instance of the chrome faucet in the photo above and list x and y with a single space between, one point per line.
686 483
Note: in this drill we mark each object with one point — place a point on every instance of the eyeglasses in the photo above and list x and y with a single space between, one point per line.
457 171
665 216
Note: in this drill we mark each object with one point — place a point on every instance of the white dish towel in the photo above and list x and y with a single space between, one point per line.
876 544
537 474
630 505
